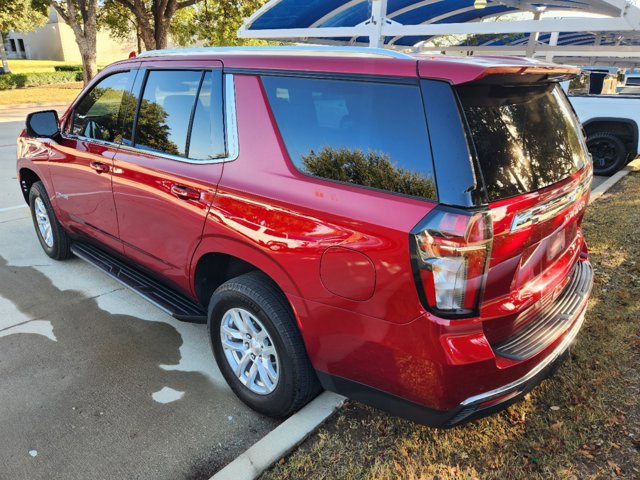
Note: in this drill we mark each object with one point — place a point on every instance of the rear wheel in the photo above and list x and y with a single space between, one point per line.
53 239
608 151
258 346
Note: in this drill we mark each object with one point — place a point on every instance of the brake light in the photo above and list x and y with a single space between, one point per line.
450 255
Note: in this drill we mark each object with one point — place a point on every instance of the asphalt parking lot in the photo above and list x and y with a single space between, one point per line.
94 381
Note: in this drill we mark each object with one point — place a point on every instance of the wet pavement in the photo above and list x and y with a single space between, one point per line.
95 382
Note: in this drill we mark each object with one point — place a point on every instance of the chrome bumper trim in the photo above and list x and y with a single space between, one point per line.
523 381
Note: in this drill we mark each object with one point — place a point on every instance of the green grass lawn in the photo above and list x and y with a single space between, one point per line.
29 66
48 94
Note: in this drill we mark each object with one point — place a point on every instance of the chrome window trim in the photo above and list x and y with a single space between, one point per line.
96 141
230 130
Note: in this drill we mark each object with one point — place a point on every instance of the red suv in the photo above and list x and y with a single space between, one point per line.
404 230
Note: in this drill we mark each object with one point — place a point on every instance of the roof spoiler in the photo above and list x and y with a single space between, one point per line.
526 74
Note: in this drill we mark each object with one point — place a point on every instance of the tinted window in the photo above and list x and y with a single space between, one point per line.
526 138
207 133
363 133
165 110
97 114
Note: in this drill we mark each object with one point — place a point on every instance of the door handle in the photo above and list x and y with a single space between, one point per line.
185 193
99 167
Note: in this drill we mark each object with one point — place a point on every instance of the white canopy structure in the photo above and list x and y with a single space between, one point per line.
567 30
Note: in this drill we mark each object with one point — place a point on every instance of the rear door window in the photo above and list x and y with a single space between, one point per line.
357 132
165 111
207 132
181 114
526 137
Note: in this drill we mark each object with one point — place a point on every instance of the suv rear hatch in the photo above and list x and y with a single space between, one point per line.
531 157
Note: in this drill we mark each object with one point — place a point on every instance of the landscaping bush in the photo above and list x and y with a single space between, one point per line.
20 80
68 68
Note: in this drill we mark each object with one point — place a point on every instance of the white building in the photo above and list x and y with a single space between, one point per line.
55 41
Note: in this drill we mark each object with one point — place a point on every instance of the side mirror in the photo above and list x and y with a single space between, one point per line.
43 124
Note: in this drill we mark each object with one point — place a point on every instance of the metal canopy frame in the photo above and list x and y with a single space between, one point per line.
385 23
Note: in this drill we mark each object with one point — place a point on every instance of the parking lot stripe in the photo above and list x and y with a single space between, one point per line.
16 207
284 438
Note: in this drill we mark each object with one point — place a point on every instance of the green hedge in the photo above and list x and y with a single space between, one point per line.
68 68
10 81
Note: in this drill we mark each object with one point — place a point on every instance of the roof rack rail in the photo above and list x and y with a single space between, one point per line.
383 52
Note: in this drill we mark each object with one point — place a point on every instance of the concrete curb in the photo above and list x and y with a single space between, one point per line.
284 438
612 180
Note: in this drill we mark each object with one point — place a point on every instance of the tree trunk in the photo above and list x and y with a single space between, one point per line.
161 17
146 34
88 51
3 54
161 34
154 23
138 37
86 33
89 66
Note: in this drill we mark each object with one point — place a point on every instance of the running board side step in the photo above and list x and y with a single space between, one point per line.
165 298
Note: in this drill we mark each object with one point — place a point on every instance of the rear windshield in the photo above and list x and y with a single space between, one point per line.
526 137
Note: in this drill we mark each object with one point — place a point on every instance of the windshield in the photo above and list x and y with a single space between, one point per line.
526 137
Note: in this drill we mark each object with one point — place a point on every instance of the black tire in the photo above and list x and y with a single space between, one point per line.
297 382
608 151
60 241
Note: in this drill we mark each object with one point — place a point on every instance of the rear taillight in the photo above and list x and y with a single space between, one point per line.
450 256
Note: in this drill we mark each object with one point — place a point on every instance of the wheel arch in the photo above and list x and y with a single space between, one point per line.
27 178
218 260
624 126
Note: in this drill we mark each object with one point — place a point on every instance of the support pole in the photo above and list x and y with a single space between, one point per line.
378 17
533 37
596 43
553 41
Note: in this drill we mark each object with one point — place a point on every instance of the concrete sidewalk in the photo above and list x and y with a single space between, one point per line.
19 113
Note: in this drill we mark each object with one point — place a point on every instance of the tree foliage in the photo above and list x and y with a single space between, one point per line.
370 169
209 22
151 18
22 16
118 19
215 23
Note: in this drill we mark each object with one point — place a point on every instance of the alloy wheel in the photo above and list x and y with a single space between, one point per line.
44 223
250 351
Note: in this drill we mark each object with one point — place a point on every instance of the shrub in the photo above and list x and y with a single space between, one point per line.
10 81
68 68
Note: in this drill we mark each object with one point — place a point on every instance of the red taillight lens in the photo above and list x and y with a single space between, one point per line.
451 257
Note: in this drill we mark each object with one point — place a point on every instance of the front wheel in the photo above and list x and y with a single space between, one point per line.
608 151
258 346
54 240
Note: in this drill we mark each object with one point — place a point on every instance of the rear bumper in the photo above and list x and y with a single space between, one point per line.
472 408
477 405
